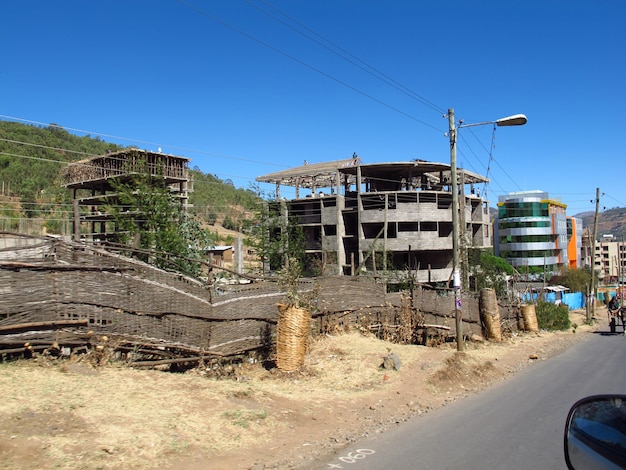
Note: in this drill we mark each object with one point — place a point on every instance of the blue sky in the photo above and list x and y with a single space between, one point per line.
249 87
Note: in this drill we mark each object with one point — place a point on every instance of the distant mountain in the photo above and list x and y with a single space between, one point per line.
610 222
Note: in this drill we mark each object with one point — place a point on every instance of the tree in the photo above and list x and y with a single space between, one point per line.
150 218
576 280
277 239
491 271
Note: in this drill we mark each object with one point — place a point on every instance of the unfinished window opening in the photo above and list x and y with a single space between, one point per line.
373 202
444 201
428 226
330 230
407 198
445 229
425 198
408 226
372 230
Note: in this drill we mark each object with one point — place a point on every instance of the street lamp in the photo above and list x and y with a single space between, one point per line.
515 120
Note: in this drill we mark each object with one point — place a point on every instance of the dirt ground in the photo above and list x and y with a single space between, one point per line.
70 414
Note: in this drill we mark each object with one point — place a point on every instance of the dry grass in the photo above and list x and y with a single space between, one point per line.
108 418
80 416
72 415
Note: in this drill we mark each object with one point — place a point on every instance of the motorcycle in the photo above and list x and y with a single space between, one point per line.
595 433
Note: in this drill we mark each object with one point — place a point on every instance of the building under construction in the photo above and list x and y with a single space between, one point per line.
93 183
383 216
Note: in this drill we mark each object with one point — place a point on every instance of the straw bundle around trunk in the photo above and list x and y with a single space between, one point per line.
490 315
292 334
530 318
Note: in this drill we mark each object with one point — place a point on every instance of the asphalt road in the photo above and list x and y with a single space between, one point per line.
516 425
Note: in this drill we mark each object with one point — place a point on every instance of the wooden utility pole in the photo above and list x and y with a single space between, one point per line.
619 287
591 313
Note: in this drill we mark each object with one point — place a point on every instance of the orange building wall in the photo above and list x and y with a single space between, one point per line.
572 249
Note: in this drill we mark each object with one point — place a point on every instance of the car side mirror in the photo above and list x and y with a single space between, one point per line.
595 433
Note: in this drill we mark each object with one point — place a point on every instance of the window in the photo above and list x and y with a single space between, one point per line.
330 230
408 227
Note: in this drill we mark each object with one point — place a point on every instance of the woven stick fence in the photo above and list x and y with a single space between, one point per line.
47 284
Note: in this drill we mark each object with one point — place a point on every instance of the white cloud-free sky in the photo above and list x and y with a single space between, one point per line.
250 87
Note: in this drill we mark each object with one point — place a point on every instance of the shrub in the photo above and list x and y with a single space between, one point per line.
552 317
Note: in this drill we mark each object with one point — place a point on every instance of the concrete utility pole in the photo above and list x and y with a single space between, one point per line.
591 313
460 345
515 120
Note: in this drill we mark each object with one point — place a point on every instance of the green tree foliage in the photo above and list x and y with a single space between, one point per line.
35 167
229 223
150 218
215 200
490 271
577 280
288 278
552 317
30 160
277 240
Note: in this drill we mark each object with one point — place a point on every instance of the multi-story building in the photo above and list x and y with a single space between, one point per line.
610 260
92 182
532 231
383 216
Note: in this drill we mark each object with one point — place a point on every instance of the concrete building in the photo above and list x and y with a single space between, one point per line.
610 260
91 181
531 231
384 216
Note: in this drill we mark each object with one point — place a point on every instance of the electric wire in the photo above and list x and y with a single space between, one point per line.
196 182
305 64
182 149
200 182
344 54
489 152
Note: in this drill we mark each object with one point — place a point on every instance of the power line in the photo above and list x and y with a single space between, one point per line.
34 158
47 147
301 62
65 163
491 158
182 149
345 54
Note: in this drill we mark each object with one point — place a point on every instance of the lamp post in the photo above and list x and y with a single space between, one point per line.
515 120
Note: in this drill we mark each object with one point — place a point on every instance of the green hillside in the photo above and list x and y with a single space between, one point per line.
31 158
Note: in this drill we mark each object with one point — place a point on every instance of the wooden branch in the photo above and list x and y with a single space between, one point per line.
43 324
161 314
418 327
175 361
24 349
37 343
440 327
206 355
119 247
346 311
57 267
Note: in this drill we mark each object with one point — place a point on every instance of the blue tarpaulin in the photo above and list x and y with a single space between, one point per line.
573 300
